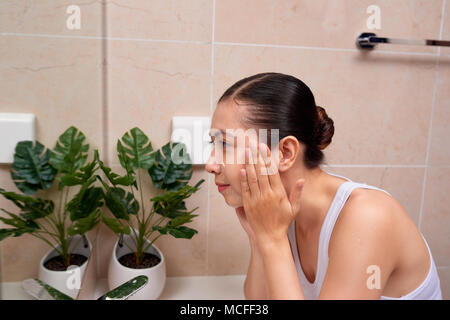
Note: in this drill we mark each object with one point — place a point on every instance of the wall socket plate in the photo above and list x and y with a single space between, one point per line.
14 127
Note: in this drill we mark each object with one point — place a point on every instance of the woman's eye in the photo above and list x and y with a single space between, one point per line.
223 143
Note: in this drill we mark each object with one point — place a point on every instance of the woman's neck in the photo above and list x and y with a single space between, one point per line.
317 194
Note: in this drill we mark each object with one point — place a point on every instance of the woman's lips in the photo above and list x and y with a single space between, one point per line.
222 187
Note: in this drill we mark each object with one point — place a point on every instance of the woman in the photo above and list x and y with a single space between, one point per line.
313 234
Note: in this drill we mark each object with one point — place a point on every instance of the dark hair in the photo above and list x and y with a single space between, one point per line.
280 101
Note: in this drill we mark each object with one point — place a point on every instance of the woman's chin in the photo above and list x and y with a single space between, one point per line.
234 203
232 198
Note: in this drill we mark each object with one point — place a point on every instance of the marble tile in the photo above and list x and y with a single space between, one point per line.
439 143
160 19
58 80
326 24
149 83
49 17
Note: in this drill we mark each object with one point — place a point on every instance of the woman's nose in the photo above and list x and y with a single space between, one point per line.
212 166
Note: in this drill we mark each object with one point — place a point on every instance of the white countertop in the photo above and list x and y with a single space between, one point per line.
177 288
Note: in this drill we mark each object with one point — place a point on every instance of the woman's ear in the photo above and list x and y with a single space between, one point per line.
288 150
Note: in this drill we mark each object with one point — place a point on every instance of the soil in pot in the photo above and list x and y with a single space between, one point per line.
149 260
57 263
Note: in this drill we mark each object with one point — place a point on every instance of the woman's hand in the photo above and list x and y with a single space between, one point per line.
267 207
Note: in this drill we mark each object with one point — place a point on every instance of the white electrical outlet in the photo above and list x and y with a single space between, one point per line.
14 127
194 133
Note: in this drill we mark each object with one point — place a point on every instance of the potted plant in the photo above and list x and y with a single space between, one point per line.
138 225
63 228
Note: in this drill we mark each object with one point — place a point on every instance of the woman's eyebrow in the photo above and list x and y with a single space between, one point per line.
224 134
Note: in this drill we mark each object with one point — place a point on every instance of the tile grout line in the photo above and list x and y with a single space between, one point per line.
105 81
243 44
81 37
401 166
211 107
430 127
374 166
104 68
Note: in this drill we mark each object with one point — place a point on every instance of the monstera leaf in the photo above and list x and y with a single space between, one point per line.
165 173
16 232
115 225
136 153
119 202
23 223
82 176
31 169
85 202
171 204
115 179
177 232
31 208
83 225
69 154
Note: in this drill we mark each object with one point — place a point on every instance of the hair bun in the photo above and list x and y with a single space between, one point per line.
324 130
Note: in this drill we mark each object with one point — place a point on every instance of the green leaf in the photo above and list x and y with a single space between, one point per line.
177 232
115 179
135 153
31 169
120 203
18 222
5 233
68 155
21 226
185 218
83 225
115 225
85 202
82 176
31 208
14 232
172 169
182 232
171 204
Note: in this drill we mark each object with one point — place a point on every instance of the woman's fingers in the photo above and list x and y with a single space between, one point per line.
273 176
260 168
252 179
245 189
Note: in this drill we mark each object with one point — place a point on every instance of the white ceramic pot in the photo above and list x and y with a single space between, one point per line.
69 281
118 273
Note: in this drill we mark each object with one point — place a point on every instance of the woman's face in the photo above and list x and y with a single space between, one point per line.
225 164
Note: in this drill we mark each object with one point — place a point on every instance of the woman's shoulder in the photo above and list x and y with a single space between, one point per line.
367 203
368 215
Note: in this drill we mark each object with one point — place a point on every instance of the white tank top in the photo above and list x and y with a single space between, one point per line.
429 289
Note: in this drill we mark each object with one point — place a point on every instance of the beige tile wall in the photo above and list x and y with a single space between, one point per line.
175 57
